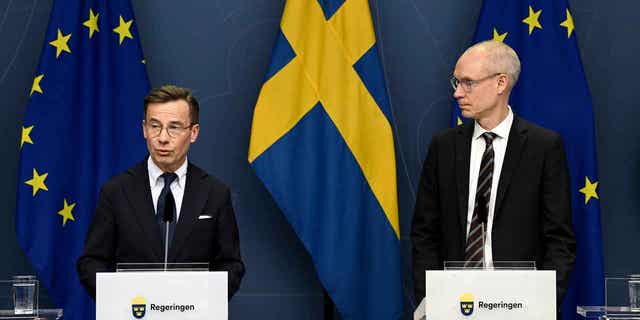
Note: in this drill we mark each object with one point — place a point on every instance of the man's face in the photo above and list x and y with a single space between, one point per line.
167 151
480 100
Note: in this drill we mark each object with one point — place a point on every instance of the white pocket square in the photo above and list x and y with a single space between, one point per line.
204 216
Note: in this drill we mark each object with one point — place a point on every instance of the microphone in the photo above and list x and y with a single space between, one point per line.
483 208
169 208
483 215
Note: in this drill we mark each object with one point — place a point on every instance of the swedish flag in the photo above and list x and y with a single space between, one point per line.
552 91
82 125
322 143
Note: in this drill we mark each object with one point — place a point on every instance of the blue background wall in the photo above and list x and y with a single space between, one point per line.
221 49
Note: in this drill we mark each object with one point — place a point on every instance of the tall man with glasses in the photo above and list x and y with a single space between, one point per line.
496 188
128 224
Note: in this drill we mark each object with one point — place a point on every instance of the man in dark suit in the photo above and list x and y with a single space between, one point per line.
496 188
128 227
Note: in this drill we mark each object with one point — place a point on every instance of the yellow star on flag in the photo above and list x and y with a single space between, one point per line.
123 29
37 182
26 131
35 87
61 43
533 20
92 23
568 23
67 212
458 121
589 190
499 37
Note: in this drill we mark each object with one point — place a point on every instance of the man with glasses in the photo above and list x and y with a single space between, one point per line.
129 225
495 188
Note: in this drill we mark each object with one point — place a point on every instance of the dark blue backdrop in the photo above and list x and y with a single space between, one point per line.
221 49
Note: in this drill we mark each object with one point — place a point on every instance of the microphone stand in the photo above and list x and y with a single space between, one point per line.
166 244
483 215
484 265
169 207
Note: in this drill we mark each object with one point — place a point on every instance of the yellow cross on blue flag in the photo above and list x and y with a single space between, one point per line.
82 126
552 91
322 143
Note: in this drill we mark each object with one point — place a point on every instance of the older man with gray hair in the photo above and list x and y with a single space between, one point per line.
495 188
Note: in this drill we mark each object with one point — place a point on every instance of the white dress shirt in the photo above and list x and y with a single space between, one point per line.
157 183
477 149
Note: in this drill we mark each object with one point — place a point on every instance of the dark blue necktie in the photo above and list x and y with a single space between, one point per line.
166 203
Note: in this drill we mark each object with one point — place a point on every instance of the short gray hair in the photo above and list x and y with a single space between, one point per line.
501 58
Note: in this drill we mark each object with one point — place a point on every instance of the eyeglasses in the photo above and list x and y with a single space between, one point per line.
467 84
173 130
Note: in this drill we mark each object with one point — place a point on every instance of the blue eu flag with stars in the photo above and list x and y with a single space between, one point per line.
82 126
552 91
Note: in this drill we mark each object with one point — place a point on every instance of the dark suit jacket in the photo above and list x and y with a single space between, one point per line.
124 228
532 216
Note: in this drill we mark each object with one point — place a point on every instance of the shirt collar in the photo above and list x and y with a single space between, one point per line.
155 172
501 130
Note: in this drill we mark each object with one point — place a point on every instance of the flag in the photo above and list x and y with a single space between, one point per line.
82 125
552 91
322 144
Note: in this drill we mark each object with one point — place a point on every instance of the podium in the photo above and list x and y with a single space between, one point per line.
160 293
507 290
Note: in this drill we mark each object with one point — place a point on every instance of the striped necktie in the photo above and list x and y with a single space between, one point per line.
474 252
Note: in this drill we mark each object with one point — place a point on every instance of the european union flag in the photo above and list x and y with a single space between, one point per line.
553 92
322 143
82 126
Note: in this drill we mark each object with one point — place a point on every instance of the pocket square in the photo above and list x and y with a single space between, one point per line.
204 216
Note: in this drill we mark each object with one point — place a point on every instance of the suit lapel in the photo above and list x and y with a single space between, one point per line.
193 202
513 154
139 196
463 157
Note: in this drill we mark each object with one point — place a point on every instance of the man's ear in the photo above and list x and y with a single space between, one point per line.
144 132
195 130
503 83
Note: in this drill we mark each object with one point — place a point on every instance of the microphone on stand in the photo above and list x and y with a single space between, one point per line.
169 208
483 213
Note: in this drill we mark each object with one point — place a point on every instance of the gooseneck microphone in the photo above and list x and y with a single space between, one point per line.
483 215
169 209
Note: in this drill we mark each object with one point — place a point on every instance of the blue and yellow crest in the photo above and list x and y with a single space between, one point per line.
138 307
466 304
